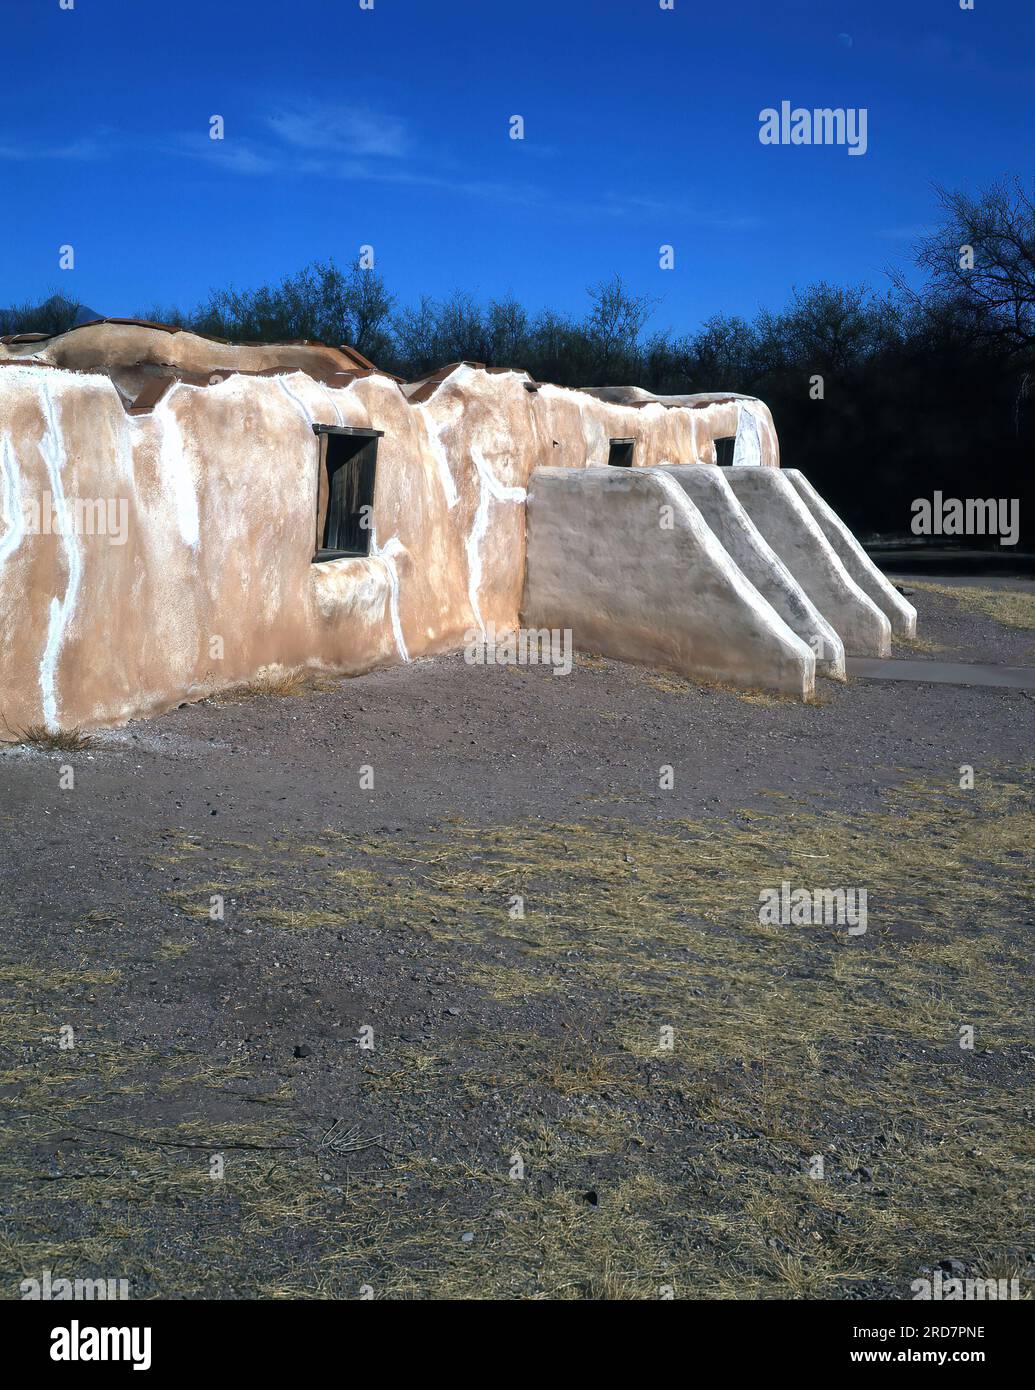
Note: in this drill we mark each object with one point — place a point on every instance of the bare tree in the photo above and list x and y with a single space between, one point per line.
615 321
981 264
414 332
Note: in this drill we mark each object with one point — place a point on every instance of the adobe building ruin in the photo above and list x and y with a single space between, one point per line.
179 514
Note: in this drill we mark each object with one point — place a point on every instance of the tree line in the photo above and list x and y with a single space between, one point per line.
880 397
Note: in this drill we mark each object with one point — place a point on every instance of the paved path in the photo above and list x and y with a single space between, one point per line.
942 672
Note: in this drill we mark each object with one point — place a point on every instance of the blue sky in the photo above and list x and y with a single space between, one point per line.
390 127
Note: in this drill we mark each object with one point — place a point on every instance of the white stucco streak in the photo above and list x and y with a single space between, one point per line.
175 465
474 557
11 513
438 453
386 554
500 491
307 413
334 404
52 451
491 490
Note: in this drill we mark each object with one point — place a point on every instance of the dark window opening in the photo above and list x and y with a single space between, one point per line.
724 449
620 454
345 502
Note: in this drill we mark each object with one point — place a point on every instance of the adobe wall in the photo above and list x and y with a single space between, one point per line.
220 490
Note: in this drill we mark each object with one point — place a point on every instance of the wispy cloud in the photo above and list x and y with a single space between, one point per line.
341 130
520 193
686 210
87 148
350 144
234 156
361 145
342 134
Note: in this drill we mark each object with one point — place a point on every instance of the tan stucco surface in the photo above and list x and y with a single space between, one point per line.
219 482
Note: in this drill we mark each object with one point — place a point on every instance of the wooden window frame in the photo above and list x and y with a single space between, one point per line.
321 553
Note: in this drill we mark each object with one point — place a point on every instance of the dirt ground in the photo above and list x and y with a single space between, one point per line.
507 1024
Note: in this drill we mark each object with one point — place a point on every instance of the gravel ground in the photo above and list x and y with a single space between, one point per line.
422 1050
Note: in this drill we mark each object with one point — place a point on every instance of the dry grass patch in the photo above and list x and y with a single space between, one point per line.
916 644
46 740
1011 607
272 682
668 683
651 1161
